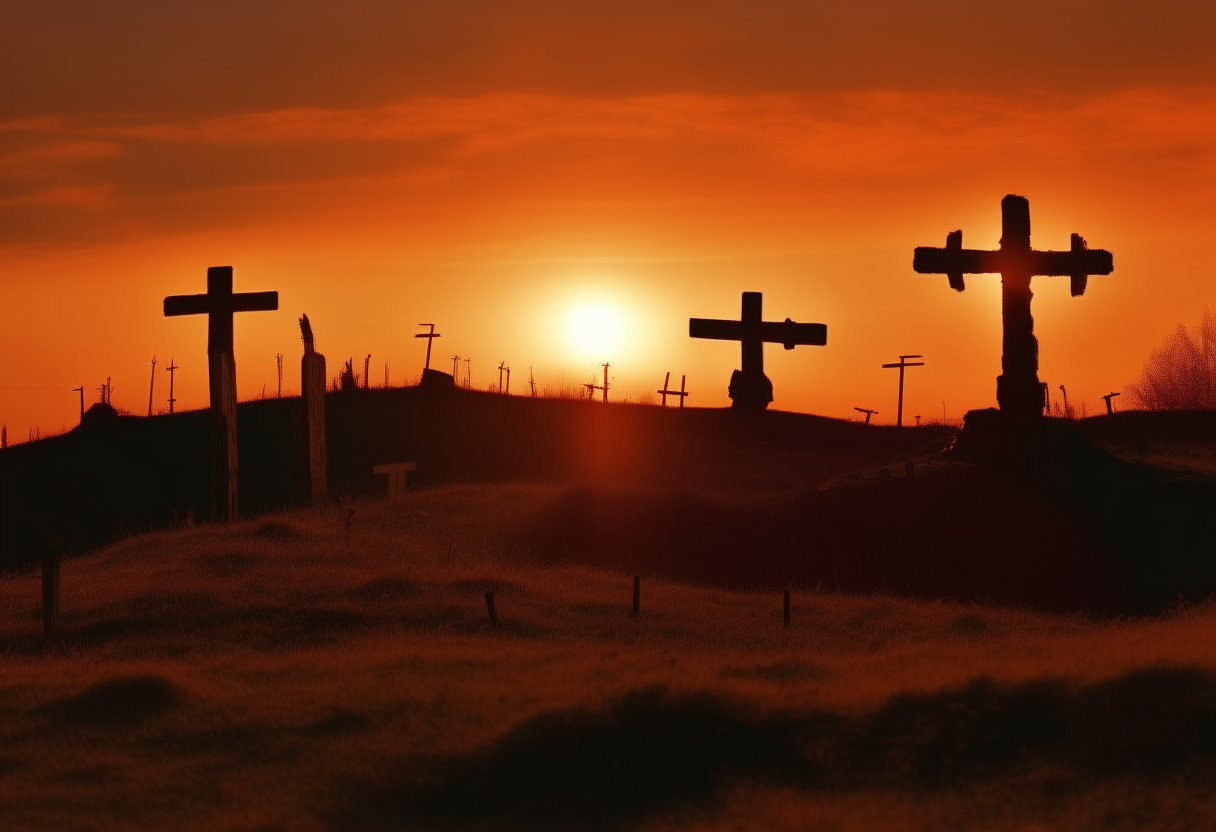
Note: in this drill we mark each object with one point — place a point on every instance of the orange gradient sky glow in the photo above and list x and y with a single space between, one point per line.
561 185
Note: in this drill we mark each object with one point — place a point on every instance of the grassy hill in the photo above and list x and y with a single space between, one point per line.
270 675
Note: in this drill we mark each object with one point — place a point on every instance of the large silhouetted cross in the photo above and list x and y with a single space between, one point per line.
1018 390
219 305
750 388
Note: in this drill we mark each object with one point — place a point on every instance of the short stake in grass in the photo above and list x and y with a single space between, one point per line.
490 609
50 591
637 596
787 609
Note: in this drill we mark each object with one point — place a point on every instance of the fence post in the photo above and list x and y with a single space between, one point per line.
490 608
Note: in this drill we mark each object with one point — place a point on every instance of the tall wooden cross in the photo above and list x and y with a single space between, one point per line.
866 411
220 305
749 387
903 362
430 336
1018 390
1110 408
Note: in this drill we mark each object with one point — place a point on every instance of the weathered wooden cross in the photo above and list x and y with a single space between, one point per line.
666 391
866 411
430 337
903 362
749 387
1110 408
220 305
1018 390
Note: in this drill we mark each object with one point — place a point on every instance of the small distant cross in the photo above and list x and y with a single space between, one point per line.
903 362
866 411
749 387
430 336
1110 409
1018 390
665 392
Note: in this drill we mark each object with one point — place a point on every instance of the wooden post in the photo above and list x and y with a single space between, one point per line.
637 596
152 385
490 608
787 609
50 590
312 387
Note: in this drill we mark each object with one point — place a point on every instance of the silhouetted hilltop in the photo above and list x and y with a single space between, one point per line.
1108 514
115 474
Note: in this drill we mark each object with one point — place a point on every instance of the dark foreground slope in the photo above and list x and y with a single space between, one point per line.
268 675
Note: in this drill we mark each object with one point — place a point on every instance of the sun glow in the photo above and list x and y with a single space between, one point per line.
594 331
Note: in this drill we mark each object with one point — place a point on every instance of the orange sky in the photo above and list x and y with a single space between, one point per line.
493 167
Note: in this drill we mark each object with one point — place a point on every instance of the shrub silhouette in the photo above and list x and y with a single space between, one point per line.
1181 373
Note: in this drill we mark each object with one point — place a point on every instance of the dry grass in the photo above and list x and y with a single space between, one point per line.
264 675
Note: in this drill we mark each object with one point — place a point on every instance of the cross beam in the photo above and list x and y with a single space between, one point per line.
1018 389
749 387
219 305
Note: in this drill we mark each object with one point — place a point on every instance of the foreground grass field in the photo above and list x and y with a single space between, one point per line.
271 675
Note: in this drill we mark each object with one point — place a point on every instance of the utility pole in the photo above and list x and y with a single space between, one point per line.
171 368
532 381
80 390
1067 412
508 379
455 366
502 365
903 362
386 375
152 384
367 366
605 388
278 359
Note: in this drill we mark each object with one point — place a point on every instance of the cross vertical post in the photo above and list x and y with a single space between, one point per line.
220 305
903 362
664 391
605 387
1110 409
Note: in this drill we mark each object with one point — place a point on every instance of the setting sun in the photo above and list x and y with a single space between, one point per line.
594 331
